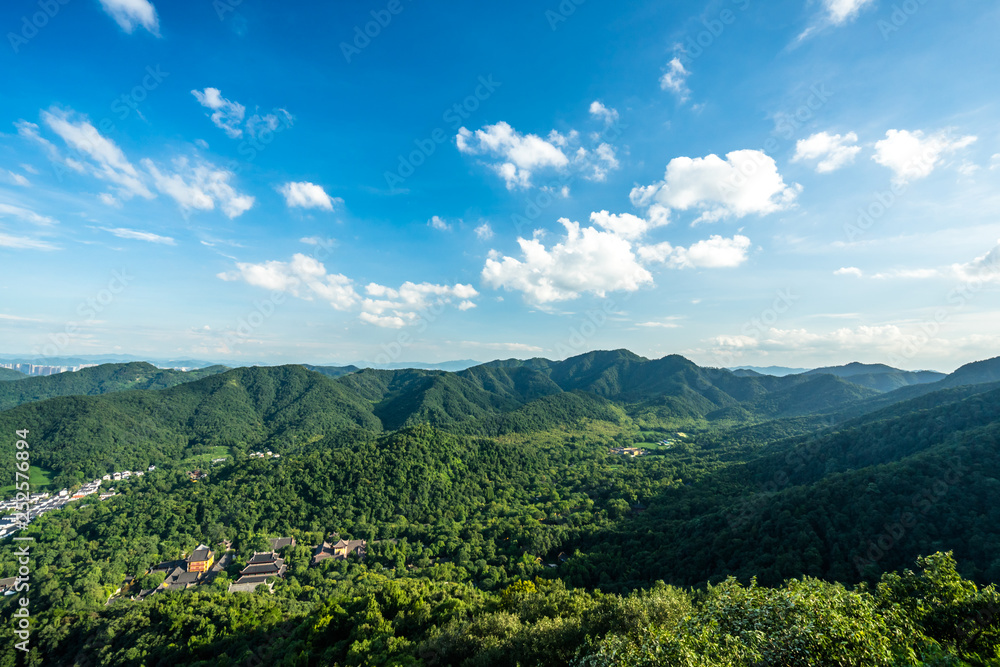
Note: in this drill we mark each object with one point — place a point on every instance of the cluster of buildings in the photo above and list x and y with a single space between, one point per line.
629 451
32 369
265 455
262 568
40 503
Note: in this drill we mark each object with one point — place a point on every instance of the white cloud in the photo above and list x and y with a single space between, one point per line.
19 179
919 274
257 124
136 235
130 14
675 79
658 325
307 278
521 154
505 347
606 114
871 340
201 186
995 161
106 160
746 182
714 252
484 232
308 195
586 260
227 115
596 164
304 277
849 271
25 215
982 269
839 12
24 243
396 308
625 225
436 222
832 150
914 155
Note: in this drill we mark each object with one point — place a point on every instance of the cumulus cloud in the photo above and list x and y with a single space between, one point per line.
675 79
714 252
625 225
307 278
849 271
520 154
303 277
833 151
307 195
396 308
606 114
226 114
94 153
985 268
484 232
131 14
915 155
136 235
746 182
585 261
199 186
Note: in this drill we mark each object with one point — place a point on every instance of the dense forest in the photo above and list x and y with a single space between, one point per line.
767 520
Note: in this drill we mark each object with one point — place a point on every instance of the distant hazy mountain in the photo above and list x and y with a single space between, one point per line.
106 359
779 371
452 366
879 376
333 371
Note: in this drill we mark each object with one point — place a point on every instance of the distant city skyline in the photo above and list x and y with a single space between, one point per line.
793 183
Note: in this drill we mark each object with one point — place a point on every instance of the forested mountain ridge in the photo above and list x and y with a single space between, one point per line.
523 514
95 380
287 407
9 374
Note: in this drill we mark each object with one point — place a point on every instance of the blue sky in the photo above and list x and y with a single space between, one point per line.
799 183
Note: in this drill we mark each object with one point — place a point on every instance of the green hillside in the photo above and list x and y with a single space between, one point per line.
103 379
507 523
